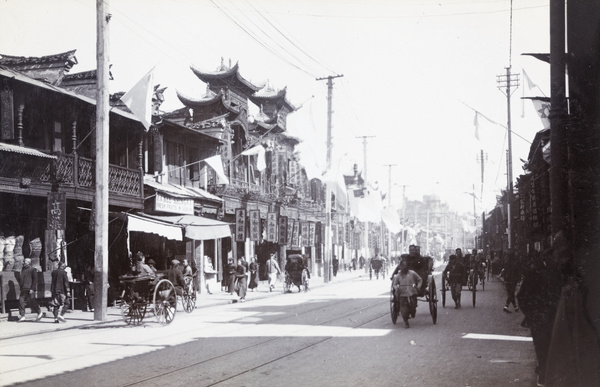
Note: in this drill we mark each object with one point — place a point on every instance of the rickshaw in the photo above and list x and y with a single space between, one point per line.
142 294
469 280
296 273
423 266
377 265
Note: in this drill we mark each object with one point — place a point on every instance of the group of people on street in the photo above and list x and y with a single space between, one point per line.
242 276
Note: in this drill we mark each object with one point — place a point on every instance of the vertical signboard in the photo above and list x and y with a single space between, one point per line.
311 233
57 211
254 225
282 230
340 234
240 225
272 226
290 232
304 233
334 234
296 234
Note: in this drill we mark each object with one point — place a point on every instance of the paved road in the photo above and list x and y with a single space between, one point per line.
340 334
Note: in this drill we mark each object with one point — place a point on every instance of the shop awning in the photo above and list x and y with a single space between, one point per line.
181 191
197 227
154 226
24 151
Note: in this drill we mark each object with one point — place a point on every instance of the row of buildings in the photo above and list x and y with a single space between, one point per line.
206 182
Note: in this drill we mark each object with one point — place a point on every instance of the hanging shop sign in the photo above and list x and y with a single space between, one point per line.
271 227
240 225
290 232
334 234
304 234
318 234
311 233
165 203
282 230
296 234
340 234
254 225
57 211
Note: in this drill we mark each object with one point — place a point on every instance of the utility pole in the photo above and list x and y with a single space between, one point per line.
327 258
366 235
481 159
505 84
389 250
102 146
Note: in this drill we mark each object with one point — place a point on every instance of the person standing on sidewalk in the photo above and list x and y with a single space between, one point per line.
272 271
28 286
60 289
512 275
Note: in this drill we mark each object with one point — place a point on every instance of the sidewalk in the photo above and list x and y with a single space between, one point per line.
10 328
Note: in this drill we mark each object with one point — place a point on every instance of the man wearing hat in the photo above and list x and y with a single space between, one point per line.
28 285
152 265
60 289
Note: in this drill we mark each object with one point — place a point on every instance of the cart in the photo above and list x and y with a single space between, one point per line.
427 293
470 278
296 273
143 294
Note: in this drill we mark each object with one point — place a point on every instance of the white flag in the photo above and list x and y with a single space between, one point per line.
216 163
543 109
258 151
139 99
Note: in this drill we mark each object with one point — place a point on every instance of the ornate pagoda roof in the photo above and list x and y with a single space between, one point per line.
268 95
48 68
208 100
226 77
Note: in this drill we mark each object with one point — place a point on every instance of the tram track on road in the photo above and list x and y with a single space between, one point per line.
263 342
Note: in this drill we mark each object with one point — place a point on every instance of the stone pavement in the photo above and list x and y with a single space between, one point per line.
10 328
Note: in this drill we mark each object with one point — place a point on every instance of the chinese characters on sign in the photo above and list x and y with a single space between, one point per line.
304 231
282 232
311 233
290 231
296 234
272 227
57 211
240 225
254 225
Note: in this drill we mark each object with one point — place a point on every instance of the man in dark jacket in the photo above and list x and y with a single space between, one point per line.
176 277
454 274
28 286
60 289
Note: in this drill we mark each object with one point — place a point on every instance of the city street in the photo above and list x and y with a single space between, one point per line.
337 334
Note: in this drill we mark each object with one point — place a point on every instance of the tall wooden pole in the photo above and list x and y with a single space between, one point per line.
327 258
102 130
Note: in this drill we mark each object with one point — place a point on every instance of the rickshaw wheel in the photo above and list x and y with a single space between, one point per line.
394 309
133 313
189 300
287 284
305 280
165 302
433 300
474 292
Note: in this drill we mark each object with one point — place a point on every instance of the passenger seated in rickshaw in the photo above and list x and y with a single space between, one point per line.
140 268
176 277
406 284
423 266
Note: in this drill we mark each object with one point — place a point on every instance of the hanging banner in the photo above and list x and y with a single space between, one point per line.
57 211
282 230
271 227
290 232
240 225
311 233
254 225
334 234
296 234
318 234
304 234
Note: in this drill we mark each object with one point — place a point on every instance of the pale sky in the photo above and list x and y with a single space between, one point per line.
412 70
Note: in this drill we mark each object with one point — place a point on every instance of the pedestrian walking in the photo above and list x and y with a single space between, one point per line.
406 284
231 276
28 286
272 270
454 277
88 278
512 275
59 287
253 268
242 280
